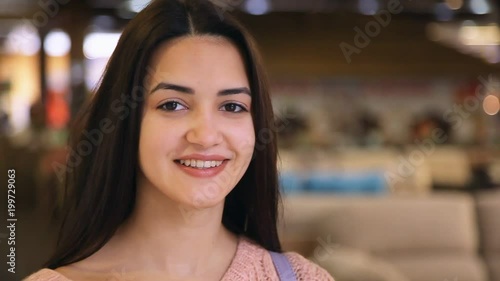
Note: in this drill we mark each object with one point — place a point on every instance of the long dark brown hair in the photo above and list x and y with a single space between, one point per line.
102 165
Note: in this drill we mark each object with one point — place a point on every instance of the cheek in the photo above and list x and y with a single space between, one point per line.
157 140
244 138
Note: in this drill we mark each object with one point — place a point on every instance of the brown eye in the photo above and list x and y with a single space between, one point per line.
233 107
171 106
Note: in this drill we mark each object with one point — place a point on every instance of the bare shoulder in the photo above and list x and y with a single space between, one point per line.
46 274
73 273
87 270
306 269
68 273
101 265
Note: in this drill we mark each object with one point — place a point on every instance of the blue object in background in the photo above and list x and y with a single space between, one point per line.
372 182
291 182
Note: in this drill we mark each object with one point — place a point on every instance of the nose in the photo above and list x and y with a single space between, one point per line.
204 130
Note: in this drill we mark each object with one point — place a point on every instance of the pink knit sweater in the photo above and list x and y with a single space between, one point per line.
251 262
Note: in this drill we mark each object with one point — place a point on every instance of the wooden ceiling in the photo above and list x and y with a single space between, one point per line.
13 8
308 43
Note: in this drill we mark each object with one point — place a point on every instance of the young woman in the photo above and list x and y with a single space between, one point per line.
177 178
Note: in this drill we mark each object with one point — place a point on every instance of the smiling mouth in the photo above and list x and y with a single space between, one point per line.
200 164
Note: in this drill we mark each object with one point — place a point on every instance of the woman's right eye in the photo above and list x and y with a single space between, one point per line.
171 106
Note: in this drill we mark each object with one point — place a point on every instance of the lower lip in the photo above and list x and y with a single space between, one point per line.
202 173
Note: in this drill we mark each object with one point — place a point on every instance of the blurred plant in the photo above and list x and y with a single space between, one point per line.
292 125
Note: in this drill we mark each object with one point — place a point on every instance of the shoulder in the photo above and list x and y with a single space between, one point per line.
46 274
307 270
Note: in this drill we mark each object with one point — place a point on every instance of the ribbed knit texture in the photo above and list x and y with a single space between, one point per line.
251 262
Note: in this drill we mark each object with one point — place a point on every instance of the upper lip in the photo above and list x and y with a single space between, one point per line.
213 157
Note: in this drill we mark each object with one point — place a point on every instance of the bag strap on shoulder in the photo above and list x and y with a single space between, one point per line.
283 267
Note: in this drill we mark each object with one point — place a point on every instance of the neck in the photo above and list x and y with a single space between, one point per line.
177 241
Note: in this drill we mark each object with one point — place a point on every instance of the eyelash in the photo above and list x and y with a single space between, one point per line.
162 106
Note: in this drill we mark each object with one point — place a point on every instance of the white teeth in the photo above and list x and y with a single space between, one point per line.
200 164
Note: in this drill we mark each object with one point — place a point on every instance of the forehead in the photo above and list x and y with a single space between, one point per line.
192 59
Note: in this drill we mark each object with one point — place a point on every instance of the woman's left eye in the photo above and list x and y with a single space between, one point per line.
233 107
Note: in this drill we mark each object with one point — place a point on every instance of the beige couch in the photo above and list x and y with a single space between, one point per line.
488 208
443 236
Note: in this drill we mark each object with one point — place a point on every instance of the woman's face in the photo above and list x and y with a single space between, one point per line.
197 135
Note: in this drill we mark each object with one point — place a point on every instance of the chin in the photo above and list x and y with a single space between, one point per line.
206 200
208 194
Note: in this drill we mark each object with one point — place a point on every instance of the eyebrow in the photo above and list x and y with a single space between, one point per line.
187 90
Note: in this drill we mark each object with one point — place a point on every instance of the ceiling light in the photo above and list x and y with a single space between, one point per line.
57 43
100 45
137 5
491 105
479 7
368 7
257 7
23 40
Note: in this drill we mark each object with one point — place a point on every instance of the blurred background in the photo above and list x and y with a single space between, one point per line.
387 113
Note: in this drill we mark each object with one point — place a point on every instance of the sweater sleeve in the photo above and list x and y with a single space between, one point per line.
46 275
306 269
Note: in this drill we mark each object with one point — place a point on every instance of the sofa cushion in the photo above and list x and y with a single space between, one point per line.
441 223
440 267
488 207
303 217
493 263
